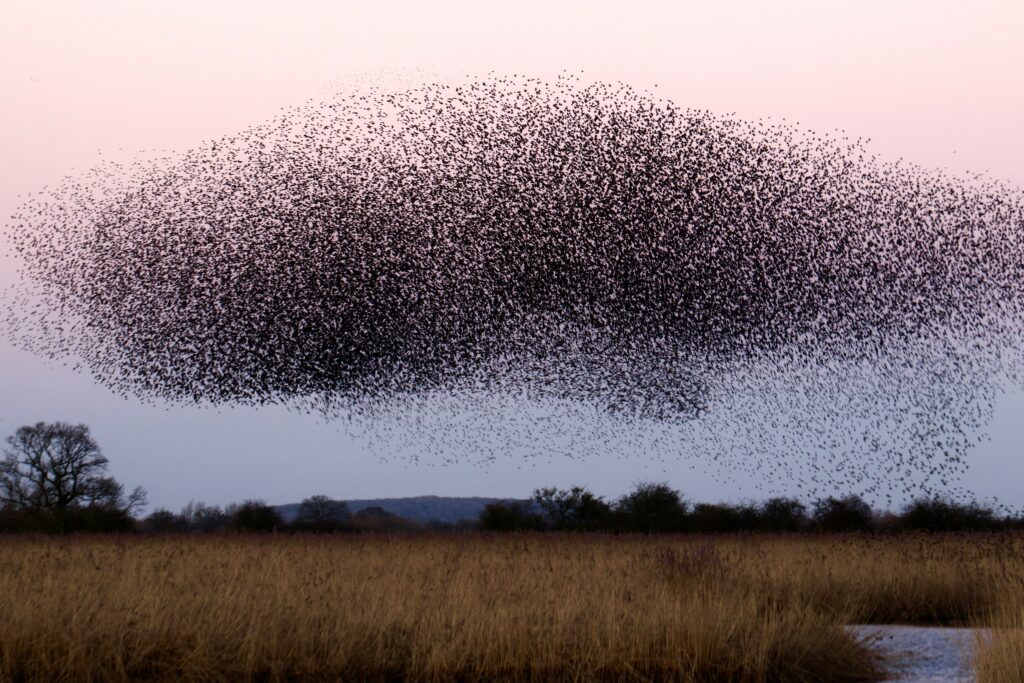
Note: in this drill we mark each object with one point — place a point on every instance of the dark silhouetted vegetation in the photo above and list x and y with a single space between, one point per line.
936 514
652 508
427 510
321 514
163 521
513 515
781 514
575 509
846 514
255 516
708 518
377 519
53 479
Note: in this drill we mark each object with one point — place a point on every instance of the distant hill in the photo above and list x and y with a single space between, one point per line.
418 508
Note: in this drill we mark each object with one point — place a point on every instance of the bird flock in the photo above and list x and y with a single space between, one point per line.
477 265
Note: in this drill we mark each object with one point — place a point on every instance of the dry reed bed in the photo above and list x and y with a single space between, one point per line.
474 607
1000 654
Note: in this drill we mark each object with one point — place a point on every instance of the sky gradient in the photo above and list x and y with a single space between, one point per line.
938 84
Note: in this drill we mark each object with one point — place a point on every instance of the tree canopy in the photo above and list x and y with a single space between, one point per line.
56 466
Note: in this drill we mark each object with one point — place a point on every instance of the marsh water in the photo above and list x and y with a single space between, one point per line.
924 654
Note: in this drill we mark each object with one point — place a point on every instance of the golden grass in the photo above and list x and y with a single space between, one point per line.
475 607
999 652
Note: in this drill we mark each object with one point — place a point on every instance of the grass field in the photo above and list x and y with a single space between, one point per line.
479 607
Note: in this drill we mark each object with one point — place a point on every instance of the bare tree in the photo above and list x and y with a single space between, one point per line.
321 513
202 517
54 467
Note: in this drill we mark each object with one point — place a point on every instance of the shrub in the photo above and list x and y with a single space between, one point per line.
850 513
94 518
652 507
163 521
782 514
716 519
576 509
936 514
511 515
322 515
202 517
255 516
376 518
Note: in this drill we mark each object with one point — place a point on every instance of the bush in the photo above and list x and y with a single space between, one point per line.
576 509
75 519
843 514
320 514
718 519
163 521
512 515
204 518
652 508
936 514
255 516
15 521
783 514
377 519
94 518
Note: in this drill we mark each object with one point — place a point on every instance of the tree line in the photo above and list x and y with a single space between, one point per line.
53 479
656 507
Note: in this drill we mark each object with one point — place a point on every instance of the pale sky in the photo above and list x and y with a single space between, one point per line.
939 84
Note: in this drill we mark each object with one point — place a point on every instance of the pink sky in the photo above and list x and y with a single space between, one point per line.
937 83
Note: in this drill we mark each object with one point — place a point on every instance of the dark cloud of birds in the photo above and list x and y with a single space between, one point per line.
782 301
